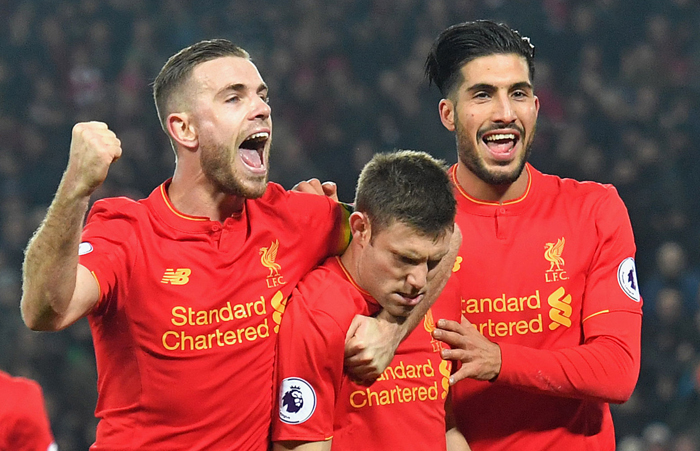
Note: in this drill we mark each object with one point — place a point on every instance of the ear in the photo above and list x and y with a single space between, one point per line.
182 130
537 105
447 114
360 228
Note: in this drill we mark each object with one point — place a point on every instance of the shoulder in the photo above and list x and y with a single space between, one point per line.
325 291
117 207
293 201
18 385
21 395
575 193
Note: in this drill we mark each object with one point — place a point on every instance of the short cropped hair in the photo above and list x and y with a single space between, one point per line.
464 42
178 68
409 187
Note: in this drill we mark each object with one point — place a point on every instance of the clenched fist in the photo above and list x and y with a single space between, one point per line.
94 147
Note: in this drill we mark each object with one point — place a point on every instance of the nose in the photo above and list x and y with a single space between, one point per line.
261 109
417 278
503 110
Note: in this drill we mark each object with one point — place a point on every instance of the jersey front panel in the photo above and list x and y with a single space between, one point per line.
404 409
533 271
186 325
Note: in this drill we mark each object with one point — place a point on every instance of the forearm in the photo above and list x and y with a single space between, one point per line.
456 441
302 446
453 436
605 368
51 260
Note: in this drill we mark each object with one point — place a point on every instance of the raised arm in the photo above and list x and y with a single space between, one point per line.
56 289
371 342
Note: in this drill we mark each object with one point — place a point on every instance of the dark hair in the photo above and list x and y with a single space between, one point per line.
178 68
409 187
461 43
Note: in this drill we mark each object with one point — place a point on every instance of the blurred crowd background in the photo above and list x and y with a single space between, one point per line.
618 80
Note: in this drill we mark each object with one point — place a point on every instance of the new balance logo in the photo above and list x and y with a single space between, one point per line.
179 276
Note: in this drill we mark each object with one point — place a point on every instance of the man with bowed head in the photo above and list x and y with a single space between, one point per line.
401 227
184 290
547 272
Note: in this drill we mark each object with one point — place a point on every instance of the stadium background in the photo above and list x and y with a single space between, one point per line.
619 82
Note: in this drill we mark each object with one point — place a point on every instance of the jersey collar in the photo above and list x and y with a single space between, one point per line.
372 303
162 205
482 207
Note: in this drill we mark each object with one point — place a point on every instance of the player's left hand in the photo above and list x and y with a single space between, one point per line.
314 186
480 357
369 347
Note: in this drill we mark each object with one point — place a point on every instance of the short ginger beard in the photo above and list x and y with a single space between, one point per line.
220 171
469 156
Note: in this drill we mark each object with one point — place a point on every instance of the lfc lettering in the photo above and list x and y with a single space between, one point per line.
555 276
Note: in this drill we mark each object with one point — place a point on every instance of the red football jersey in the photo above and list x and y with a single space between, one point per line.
24 423
403 409
189 311
542 275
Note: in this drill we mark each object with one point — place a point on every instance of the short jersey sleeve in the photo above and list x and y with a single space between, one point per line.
309 373
107 246
319 218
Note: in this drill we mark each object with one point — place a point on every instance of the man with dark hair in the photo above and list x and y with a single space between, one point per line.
547 273
401 230
185 290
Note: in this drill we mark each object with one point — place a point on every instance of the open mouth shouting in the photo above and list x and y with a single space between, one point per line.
252 151
501 143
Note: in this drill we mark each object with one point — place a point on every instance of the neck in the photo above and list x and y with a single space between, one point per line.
481 190
196 196
350 260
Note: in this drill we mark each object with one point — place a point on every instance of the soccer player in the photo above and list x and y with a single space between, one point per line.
184 290
401 229
547 269
24 423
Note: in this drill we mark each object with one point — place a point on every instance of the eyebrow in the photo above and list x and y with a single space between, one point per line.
491 88
242 87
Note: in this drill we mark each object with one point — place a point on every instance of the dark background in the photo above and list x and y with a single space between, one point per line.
618 82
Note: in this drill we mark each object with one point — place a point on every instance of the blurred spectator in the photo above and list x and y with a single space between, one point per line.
618 80
672 271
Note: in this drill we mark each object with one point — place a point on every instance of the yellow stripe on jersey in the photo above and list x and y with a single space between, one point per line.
344 236
595 314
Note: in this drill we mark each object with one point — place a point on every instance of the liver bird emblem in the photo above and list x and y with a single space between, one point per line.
268 256
429 325
553 254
